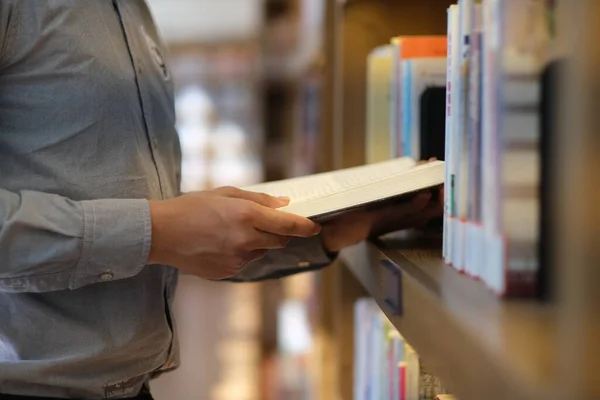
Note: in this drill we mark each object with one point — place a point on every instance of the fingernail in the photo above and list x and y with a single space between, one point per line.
317 229
284 199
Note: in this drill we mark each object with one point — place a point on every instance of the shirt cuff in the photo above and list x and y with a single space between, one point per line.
116 241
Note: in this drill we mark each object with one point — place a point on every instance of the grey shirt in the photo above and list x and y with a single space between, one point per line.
86 137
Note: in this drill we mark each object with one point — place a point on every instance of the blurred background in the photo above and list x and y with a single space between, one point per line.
247 81
271 89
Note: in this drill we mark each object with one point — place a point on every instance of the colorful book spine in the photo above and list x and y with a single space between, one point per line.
385 366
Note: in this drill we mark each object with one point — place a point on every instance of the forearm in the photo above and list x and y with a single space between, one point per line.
48 242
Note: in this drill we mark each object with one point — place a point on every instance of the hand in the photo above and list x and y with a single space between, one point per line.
213 234
356 226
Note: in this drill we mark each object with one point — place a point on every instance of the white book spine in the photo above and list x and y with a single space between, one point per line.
447 235
413 374
490 82
474 231
362 311
455 144
466 9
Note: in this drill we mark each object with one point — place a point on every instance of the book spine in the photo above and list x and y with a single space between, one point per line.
402 378
462 177
379 71
447 231
489 123
362 313
394 100
474 230
412 374
455 146
399 100
406 106
526 39
471 110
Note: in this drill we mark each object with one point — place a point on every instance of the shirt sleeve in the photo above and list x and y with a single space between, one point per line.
48 242
300 255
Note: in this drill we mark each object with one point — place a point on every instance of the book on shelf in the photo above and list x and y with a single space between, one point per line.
385 365
420 74
497 51
474 228
517 40
452 77
488 85
385 105
409 49
379 77
395 143
551 90
460 132
326 195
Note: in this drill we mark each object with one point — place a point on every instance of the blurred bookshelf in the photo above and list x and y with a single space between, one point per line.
479 344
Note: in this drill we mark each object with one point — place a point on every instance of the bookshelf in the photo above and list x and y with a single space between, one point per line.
480 346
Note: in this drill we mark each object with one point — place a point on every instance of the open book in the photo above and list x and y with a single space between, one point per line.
323 196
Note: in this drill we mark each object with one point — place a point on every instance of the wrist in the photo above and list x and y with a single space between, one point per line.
156 255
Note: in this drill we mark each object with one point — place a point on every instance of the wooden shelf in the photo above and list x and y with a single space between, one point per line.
482 347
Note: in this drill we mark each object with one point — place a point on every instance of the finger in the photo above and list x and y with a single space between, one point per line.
421 199
285 224
266 240
260 198
394 212
431 159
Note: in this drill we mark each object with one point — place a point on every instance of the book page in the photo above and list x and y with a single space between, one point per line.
322 185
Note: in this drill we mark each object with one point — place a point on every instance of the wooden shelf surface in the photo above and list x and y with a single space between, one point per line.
481 346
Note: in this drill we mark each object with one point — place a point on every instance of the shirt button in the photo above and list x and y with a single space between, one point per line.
303 264
106 276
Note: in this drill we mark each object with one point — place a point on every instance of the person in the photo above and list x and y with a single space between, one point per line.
93 229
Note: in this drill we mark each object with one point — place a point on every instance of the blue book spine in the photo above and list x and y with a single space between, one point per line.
406 107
